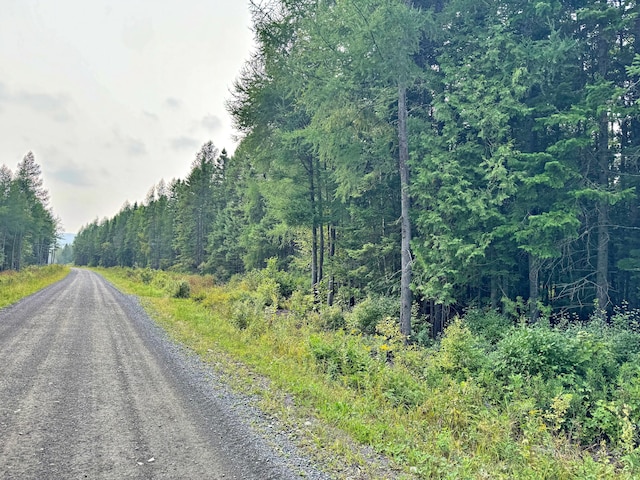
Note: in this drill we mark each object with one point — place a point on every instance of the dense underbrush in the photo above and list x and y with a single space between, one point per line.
494 397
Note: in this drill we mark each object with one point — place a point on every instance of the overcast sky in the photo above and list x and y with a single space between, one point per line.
112 96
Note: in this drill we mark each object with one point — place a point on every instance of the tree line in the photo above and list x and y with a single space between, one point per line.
28 227
450 153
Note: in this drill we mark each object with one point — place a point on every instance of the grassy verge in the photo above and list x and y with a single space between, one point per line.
356 400
276 372
17 285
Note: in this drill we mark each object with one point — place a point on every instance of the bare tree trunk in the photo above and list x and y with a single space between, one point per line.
17 256
405 280
321 246
494 292
602 268
436 314
314 228
12 264
332 279
3 259
534 289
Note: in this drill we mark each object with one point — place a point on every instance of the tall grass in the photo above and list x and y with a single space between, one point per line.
485 402
17 285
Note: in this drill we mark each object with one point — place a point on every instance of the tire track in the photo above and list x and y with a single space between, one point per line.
89 388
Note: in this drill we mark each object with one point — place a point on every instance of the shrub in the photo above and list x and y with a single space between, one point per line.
300 304
534 351
626 319
460 353
181 289
628 397
243 313
146 276
400 388
267 292
490 325
162 280
421 331
341 356
365 315
625 345
332 318
286 282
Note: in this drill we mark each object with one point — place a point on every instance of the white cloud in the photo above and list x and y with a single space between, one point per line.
71 175
54 106
150 116
138 33
173 103
212 123
130 145
184 143
134 146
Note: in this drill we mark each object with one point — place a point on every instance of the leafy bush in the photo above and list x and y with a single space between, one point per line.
146 276
490 325
300 304
243 310
625 345
180 289
365 315
628 397
342 357
332 318
401 388
285 282
535 351
163 281
460 352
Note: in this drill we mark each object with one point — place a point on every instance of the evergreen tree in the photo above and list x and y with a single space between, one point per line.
197 207
28 229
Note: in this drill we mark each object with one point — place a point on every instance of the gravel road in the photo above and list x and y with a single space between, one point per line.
91 388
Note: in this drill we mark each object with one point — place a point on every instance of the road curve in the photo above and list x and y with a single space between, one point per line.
89 389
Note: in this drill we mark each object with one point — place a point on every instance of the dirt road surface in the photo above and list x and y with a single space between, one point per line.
90 388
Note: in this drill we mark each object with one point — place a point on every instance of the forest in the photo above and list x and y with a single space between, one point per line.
28 227
452 154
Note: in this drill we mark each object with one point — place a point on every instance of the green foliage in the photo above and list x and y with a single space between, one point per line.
460 354
180 289
244 313
523 138
401 389
365 315
535 351
146 276
331 318
481 401
342 357
524 141
490 325
28 228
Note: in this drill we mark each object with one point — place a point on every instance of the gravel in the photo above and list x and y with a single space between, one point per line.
91 387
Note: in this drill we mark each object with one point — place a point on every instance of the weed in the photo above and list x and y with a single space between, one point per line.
488 400
17 285
181 289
